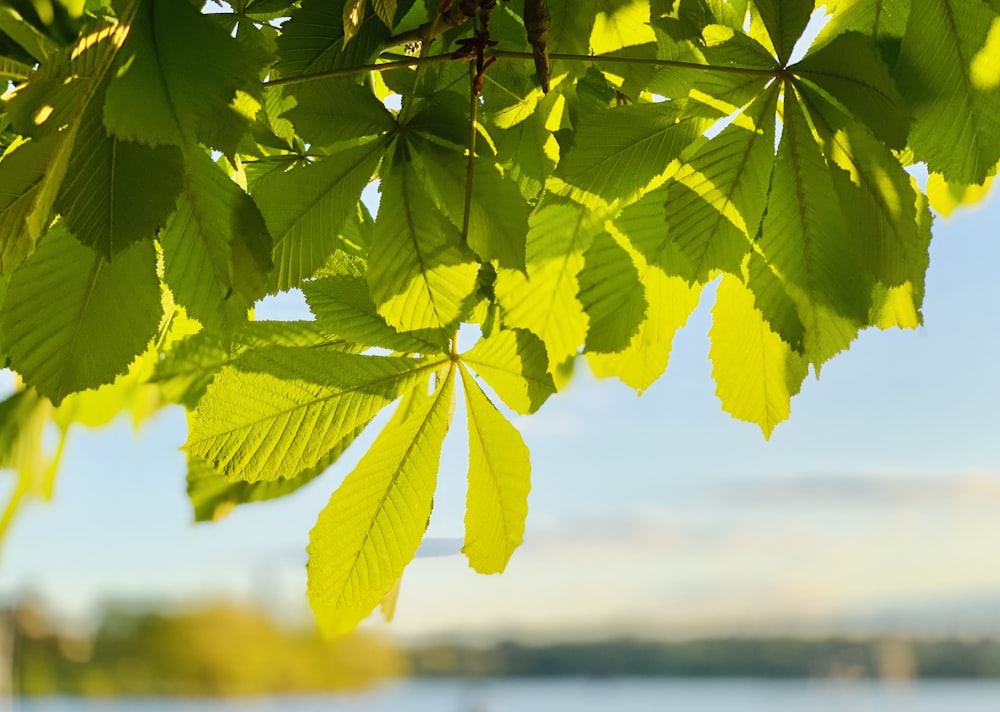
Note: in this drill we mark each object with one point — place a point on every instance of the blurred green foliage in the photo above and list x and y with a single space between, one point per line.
215 651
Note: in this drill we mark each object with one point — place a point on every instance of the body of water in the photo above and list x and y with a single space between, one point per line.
625 695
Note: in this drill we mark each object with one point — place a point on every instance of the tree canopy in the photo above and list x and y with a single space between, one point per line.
562 178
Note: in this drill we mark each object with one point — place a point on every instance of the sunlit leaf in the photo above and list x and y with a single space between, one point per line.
278 411
755 372
499 480
374 522
72 320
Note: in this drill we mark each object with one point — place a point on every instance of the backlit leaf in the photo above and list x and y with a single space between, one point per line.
499 480
543 301
72 320
420 273
278 411
755 372
216 249
176 76
373 524
514 364
957 122
306 207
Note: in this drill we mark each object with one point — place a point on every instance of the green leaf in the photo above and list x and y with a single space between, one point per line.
175 79
514 364
756 373
785 20
884 21
213 495
420 274
342 305
23 171
498 214
313 40
49 108
957 111
715 201
804 240
305 208
116 192
850 69
618 151
72 320
611 295
499 481
278 411
13 70
328 111
543 301
386 11
31 40
353 15
216 249
887 217
670 299
188 367
373 524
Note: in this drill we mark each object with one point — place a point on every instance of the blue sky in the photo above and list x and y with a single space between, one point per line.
877 500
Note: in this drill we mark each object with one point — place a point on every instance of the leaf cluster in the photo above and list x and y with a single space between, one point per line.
561 178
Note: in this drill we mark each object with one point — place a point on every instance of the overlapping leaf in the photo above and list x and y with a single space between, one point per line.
420 273
216 250
804 241
498 214
785 20
305 208
49 108
755 372
716 200
329 111
611 294
670 299
514 364
116 192
957 115
850 69
71 320
544 301
313 39
176 77
342 305
618 151
278 411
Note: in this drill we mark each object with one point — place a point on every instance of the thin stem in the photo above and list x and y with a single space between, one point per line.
608 59
521 56
471 165
351 71
425 49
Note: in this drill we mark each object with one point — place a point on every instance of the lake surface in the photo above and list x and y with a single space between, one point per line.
626 695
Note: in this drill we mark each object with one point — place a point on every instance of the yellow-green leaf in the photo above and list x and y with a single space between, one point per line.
756 373
499 481
277 411
373 524
514 364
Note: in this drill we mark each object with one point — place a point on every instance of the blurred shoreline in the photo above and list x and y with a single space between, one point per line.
225 650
